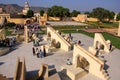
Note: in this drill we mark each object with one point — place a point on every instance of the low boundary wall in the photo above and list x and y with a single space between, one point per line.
20 70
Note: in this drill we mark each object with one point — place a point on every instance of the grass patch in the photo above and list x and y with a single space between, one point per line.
8 32
69 31
86 33
115 40
42 32
104 24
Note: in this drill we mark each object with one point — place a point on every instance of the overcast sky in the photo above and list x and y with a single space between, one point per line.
81 5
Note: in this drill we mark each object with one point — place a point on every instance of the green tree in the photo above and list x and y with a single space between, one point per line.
111 15
102 14
58 11
10 24
66 12
42 12
74 13
30 14
49 12
98 13
118 16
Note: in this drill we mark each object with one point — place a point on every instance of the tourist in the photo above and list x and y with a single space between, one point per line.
97 52
110 46
70 38
44 51
37 52
14 40
33 51
69 34
40 54
10 42
79 42
68 62
35 42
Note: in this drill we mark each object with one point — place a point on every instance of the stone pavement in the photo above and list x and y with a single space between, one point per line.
56 59
112 64
63 23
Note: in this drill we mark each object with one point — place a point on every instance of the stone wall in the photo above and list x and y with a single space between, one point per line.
119 29
43 19
80 18
54 18
92 19
2 34
17 20
84 18
101 41
16 69
95 64
20 70
58 38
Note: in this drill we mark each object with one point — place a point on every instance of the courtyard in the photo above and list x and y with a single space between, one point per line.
47 40
56 59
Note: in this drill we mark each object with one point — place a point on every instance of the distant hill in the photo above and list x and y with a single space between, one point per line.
14 8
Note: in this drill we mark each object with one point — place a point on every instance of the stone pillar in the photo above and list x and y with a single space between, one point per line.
26 34
2 34
119 29
45 16
115 16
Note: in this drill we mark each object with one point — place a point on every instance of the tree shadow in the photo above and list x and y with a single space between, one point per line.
12 49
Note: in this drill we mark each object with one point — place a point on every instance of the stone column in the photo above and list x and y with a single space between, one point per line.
25 34
119 29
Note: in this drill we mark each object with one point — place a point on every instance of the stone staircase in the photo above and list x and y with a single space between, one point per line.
101 58
104 72
106 75
3 77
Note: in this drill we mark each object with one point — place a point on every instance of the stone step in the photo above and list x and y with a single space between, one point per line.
108 77
102 59
3 77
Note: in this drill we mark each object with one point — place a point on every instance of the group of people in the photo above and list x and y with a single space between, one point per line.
8 42
18 27
39 52
69 37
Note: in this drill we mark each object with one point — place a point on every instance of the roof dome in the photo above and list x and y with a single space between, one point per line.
26 4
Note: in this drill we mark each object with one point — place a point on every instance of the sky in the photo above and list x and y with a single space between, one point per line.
80 5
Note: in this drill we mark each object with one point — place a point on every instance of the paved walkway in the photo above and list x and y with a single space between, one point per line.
56 59
63 23
93 30
112 64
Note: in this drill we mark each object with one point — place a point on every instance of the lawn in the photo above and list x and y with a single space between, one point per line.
8 32
104 24
115 40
